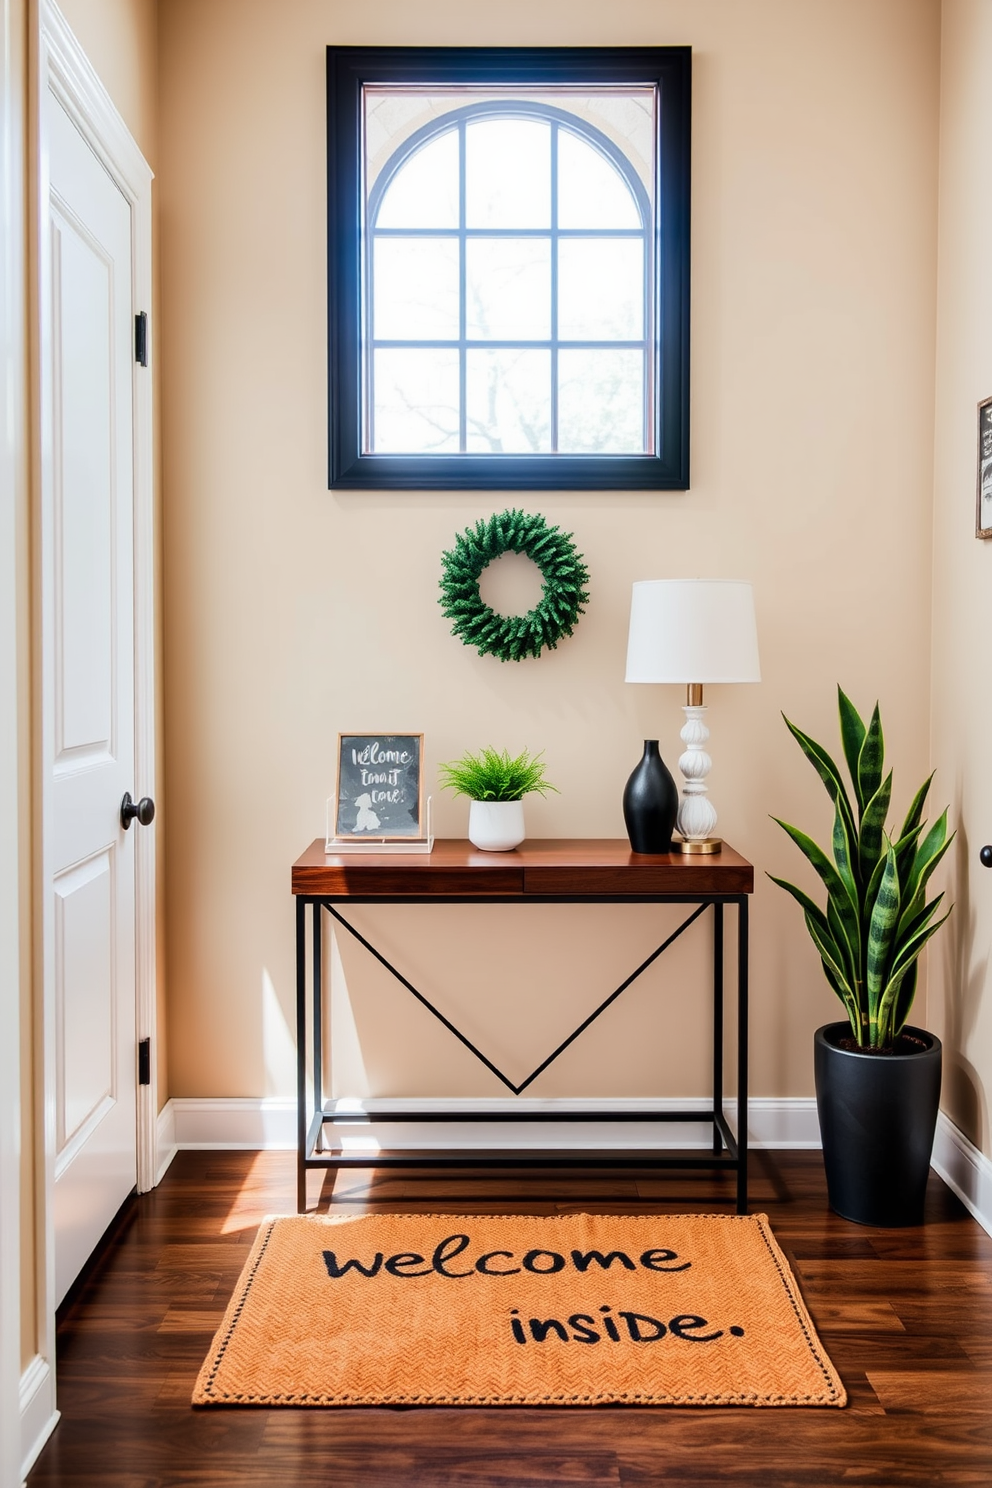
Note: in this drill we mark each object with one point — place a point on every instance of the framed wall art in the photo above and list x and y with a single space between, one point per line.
983 512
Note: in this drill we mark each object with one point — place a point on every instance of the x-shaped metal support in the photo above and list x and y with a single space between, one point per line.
426 1002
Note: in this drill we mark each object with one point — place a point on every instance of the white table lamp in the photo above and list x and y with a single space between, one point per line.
693 631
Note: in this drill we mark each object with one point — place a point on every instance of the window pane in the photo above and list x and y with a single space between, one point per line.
416 401
601 402
591 192
508 173
508 289
601 289
424 191
509 402
416 289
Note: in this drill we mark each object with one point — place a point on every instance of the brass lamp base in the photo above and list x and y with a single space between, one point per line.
698 844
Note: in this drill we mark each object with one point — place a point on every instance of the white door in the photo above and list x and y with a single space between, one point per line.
88 666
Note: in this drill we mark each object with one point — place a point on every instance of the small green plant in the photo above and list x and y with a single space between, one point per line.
877 920
494 776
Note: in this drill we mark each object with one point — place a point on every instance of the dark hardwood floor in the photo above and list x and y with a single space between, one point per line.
905 1314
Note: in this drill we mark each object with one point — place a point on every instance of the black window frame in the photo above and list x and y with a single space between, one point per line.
349 69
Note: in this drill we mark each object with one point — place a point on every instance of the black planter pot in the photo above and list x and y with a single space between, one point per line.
877 1118
650 803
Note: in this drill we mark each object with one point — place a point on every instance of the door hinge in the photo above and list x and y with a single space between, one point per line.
145 1061
141 339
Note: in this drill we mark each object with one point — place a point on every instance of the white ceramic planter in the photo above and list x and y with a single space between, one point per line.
496 826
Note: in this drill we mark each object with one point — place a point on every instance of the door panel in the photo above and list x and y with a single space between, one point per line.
90 664
84 494
84 996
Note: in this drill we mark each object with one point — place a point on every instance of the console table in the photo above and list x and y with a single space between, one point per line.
565 871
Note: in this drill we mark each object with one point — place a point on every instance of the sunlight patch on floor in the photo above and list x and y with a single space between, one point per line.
257 1195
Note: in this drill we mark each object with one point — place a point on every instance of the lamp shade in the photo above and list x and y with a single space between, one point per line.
692 630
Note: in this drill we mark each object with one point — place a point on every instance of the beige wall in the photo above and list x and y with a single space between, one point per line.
962 566
120 39
292 612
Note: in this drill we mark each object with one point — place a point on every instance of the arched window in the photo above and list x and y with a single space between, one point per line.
509 273
508 267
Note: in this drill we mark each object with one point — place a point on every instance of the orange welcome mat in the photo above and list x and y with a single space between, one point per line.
580 1309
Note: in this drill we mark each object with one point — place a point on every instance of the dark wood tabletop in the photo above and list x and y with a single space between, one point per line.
558 867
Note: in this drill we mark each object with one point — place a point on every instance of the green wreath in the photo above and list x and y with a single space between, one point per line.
512 637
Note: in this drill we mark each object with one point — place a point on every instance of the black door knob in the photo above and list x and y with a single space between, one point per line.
144 810
986 857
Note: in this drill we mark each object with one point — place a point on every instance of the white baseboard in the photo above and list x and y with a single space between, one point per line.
270 1123
165 1140
777 1124
38 1414
783 1124
266 1123
965 1170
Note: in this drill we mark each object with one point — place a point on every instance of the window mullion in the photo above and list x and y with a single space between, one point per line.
554 287
651 368
462 297
368 353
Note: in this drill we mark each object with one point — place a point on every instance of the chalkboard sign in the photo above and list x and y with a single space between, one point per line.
380 794
983 522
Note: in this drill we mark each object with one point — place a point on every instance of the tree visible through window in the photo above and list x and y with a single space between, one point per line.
508 247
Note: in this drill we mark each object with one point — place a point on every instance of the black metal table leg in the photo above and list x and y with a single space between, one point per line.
717 1022
301 1055
742 993
317 1016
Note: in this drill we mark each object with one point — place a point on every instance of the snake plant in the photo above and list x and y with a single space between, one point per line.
877 919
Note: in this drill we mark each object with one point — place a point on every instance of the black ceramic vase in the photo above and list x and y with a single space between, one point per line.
877 1118
650 803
